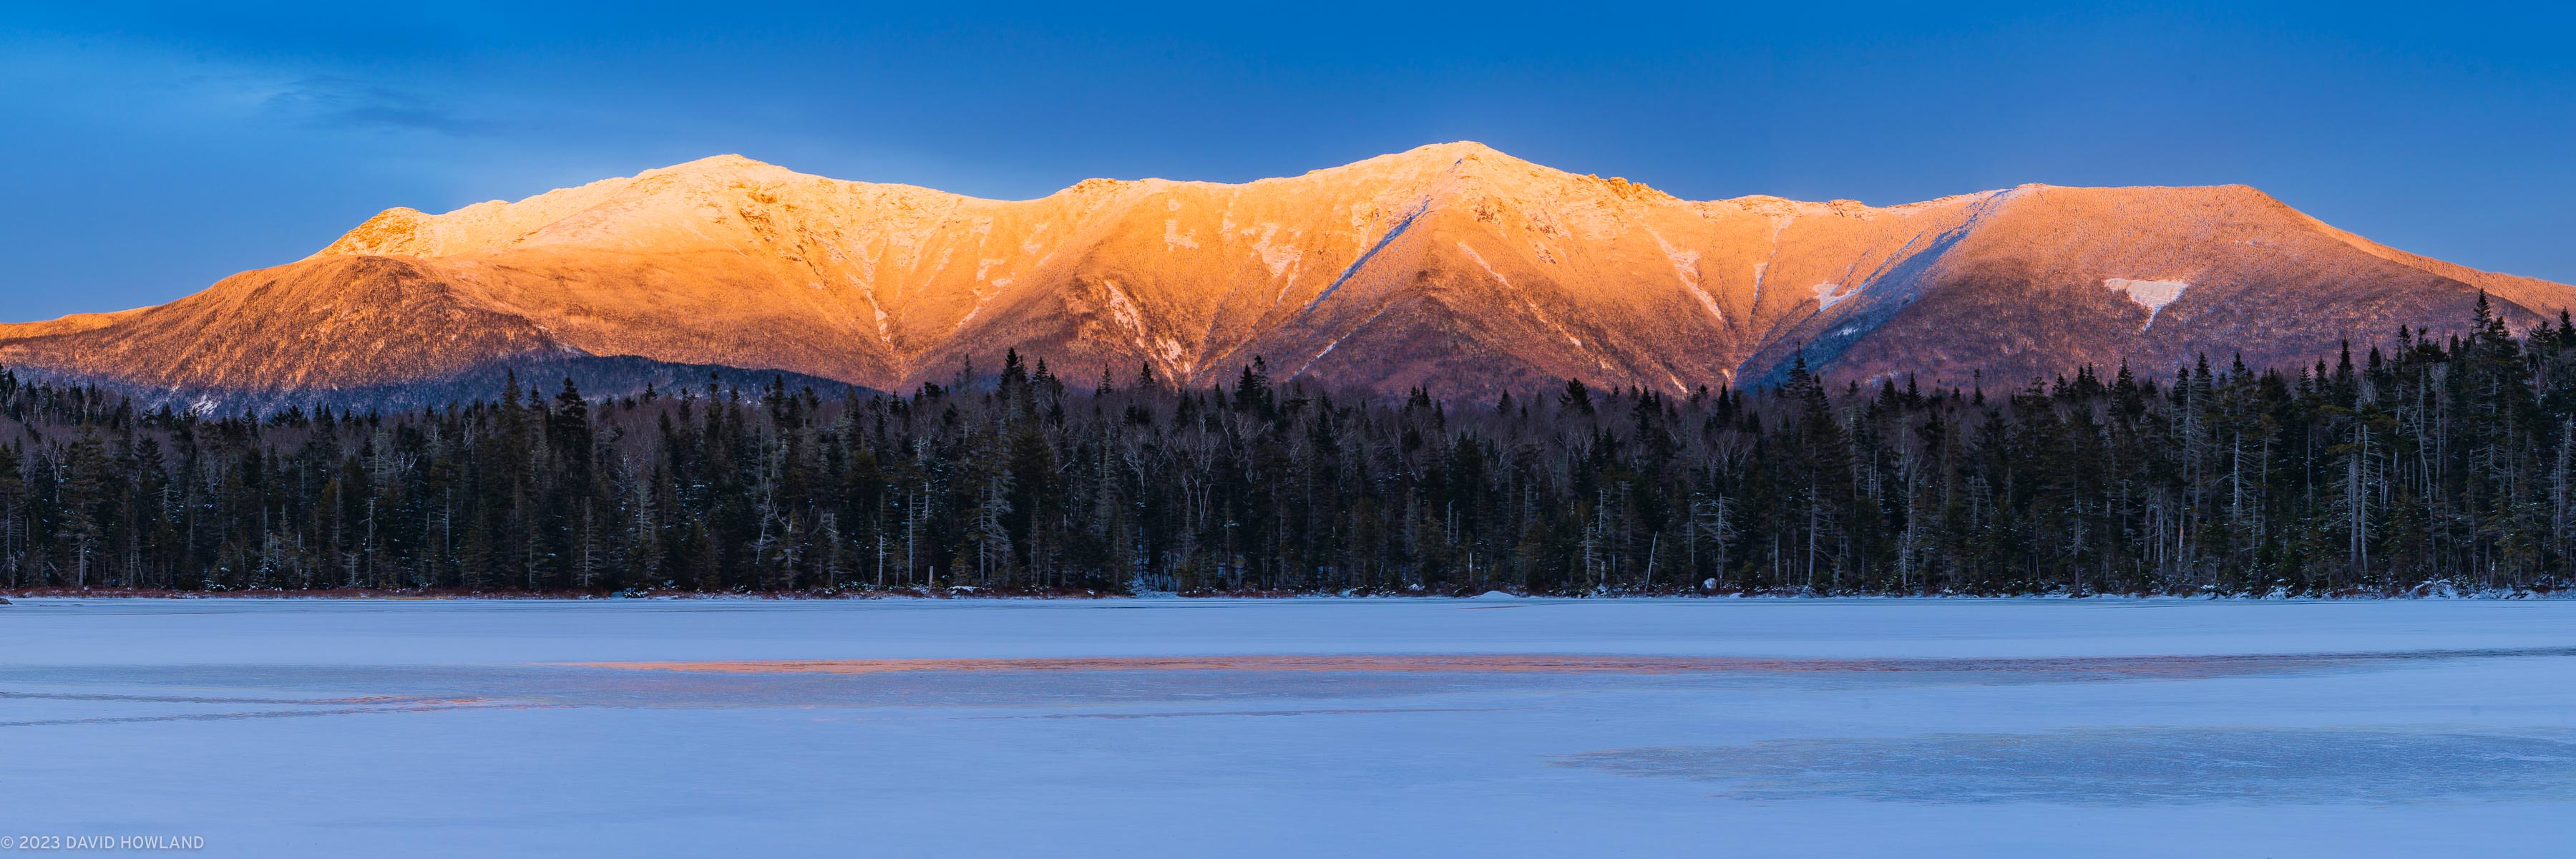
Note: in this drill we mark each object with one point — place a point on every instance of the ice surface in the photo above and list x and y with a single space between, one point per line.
2125 766
1296 727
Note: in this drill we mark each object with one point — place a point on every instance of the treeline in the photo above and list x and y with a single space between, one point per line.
2439 461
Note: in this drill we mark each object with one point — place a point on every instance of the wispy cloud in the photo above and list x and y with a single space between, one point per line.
347 104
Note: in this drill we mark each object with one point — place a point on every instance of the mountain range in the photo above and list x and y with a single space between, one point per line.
1453 267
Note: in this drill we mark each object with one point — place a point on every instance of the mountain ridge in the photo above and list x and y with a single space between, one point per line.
1452 266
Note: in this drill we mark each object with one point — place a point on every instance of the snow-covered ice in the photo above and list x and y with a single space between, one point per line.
1301 727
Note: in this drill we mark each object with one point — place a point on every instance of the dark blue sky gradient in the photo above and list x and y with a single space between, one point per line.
154 149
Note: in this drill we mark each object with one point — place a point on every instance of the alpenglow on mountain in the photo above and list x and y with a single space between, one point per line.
1452 266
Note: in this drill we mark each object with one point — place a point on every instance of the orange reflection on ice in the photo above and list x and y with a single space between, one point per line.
2147 666
1363 662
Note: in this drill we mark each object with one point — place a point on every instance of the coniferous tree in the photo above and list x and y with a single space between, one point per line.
2438 461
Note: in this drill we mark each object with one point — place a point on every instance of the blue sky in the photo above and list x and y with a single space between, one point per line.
155 148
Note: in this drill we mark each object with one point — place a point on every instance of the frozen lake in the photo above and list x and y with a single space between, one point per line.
1295 727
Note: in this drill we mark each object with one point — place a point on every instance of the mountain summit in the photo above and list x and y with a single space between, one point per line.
1451 266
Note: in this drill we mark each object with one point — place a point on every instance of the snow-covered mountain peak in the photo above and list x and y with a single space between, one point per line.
1452 265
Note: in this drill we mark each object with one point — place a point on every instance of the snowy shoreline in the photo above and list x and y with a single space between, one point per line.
971 595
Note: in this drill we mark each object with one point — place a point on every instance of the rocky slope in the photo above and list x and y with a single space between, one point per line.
1452 266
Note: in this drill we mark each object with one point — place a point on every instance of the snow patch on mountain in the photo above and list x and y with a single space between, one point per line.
1124 312
2150 294
1371 253
1686 269
1706 301
1479 260
1337 341
1828 295
1277 256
